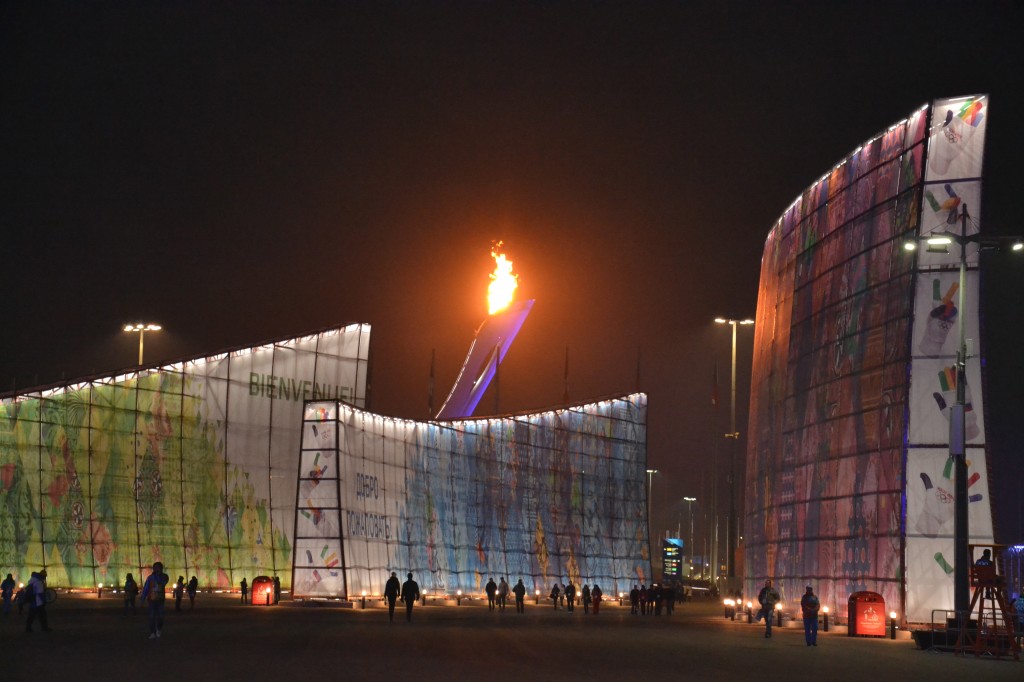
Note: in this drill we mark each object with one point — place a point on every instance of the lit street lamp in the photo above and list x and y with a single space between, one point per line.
142 328
938 242
733 530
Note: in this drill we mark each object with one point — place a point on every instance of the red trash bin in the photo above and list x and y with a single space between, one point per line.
262 591
866 615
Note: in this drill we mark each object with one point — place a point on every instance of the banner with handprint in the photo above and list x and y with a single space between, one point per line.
930 524
932 396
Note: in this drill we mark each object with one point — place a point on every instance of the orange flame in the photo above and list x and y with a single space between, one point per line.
503 283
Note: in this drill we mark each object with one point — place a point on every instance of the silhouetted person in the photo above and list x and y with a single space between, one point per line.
36 592
491 589
809 606
153 595
245 590
193 587
179 592
634 600
520 592
410 593
502 593
131 592
391 590
768 597
643 600
585 598
7 591
570 596
986 558
596 594
554 595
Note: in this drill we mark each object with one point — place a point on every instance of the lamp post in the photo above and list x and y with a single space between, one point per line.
733 530
689 511
650 488
142 328
938 242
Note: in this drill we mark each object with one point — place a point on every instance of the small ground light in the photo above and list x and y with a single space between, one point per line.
363 600
892 625
778 610
536 596
99 590
458 597
750 612
824 610
423 597
620 599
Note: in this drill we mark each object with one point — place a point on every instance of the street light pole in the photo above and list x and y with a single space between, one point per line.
732 531
142 328
937 242
689 511
650 489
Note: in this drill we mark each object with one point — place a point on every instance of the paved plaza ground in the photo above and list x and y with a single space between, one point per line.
222 640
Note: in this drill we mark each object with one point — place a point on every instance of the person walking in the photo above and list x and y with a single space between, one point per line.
768 597
554 595
502 593
7 592
131 592
491 589
154 596
809 605
595 594
410 593
585 598
643 600
36 591
391 589
245 590
520 592
193 587
570 596
634 600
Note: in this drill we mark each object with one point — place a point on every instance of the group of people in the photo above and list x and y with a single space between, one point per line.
567 595
647 601
32 595
179 590
768 597
408 592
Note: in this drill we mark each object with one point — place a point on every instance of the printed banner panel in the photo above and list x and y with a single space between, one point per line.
192 464
930 524
547 497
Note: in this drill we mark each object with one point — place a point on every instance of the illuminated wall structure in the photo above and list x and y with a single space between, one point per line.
191 463
544 497
849 486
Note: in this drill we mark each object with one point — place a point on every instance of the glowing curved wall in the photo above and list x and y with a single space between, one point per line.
544 497
192 464
847 483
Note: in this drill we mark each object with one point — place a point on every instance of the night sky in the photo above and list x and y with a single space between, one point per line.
246 171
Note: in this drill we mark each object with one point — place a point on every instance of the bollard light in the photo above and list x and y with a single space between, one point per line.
620 599
423 597
458 597
99 591
268 596
750 612
363 600
824 610
726 605
536 596
892 625
778 610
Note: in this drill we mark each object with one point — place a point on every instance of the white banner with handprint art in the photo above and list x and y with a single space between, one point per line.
930 522
933 394
937 313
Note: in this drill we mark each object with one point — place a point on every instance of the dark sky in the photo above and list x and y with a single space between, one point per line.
245 171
